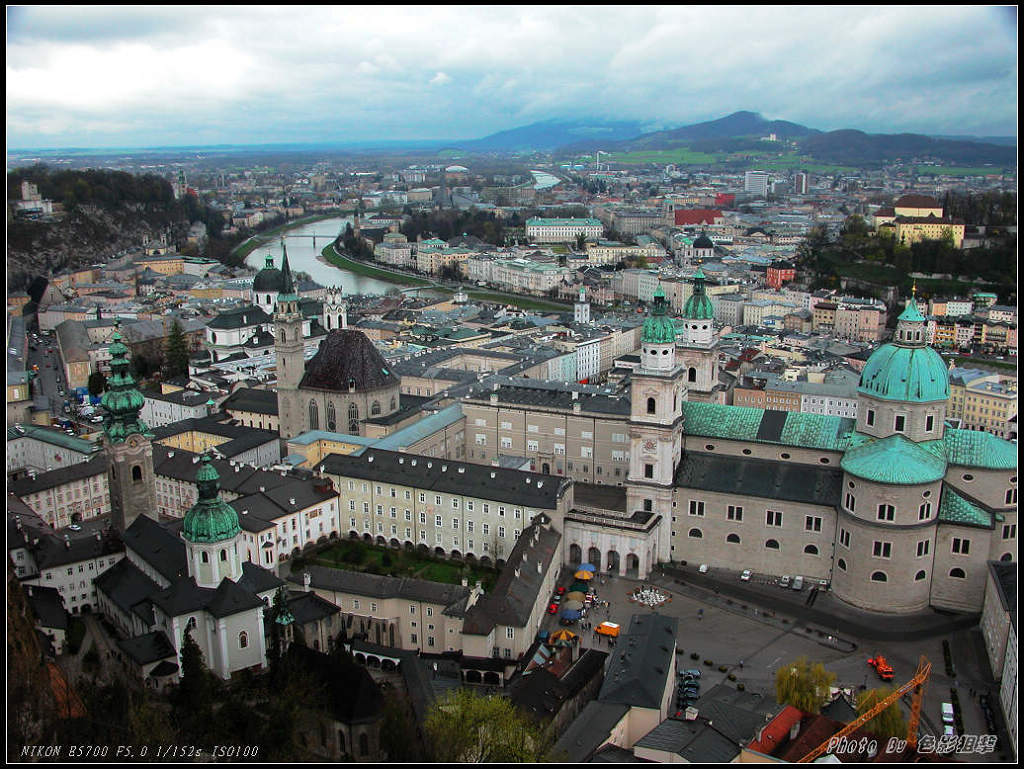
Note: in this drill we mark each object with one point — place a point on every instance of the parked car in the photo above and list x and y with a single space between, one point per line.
75 527
798 583
745 576
553 608
692 673
784 582
703 568
608 629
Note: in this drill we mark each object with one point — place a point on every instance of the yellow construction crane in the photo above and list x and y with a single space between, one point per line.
924 669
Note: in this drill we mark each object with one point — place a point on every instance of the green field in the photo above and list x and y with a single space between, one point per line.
359 268
355 555
680 156
526 303
766 159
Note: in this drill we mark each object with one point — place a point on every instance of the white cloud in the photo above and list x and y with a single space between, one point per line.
156 71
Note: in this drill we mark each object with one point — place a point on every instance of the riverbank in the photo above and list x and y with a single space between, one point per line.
246 247
329 256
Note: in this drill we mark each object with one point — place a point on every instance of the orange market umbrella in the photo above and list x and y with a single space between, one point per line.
562 635
584 575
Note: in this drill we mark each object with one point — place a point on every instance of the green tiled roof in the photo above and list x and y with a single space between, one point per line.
741 423
956 509
895 460
911 312
973 448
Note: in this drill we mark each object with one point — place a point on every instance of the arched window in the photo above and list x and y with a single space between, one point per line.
691 375
696 533
841 563
394 405
879 576
353 418
772 544
223 555
811 549
957 573
920 575
205 557
213 337
314 416
243 640
1006 557
734 538
136 473
364 745
332 421
651 406
375 409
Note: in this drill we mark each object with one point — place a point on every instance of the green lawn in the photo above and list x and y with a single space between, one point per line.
679 155
358 556
360 268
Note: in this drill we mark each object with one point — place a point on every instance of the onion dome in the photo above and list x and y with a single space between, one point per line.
122 399
347 360
210 519
269 278
658 327
703 241
698 306
907 369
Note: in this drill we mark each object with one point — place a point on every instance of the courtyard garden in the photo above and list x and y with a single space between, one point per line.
356 555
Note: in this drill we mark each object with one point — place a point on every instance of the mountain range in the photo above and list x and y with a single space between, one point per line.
743 131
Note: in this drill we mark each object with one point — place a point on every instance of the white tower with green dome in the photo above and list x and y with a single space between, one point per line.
657 392
698 349
212 533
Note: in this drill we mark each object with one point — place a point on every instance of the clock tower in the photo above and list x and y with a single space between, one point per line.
657 392
128 442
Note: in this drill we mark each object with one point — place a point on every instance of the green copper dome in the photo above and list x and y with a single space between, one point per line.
698 306
210 519
901 373
658 327
895 460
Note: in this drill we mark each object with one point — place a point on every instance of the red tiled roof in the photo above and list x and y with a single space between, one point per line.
777 731
885 211
917 201
688 216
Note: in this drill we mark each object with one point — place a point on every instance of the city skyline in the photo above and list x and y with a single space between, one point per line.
137 77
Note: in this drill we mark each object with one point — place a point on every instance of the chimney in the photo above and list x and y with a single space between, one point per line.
306 580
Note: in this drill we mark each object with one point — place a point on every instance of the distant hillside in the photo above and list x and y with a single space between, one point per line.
1004 141
549 134
738 124
848 147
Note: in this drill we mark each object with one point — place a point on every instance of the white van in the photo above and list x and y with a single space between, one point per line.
798 583
947 713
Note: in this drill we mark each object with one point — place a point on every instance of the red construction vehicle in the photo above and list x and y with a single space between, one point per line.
881 666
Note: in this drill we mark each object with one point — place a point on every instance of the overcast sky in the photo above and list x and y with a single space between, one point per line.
144 76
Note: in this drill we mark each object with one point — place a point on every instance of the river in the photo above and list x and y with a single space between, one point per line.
303 256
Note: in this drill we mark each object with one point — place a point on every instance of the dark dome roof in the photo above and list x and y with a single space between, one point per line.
268 279
703 241
346 355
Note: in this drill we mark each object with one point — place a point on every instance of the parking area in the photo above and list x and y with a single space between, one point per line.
753 647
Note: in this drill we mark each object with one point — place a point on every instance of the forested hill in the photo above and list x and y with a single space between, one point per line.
104 212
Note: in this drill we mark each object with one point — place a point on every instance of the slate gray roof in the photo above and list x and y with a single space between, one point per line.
760 478
240 439
589 731
97 465
241 317
256 579
309 607
517 589
48 606
158 547
147 648
379 586
127 587
557 399
695 741
231 598
53 551
252 400
642 662
450 477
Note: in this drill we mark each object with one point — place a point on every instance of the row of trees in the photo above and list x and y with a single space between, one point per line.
806 686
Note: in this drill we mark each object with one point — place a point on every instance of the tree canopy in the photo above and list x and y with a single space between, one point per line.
468 728
890 722
803 684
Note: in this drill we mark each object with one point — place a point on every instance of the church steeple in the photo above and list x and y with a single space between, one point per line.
122 399
287 285
211 532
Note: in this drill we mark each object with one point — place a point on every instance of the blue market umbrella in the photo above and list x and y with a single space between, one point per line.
571 614
587 567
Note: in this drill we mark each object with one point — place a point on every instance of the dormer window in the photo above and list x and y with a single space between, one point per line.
900 423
